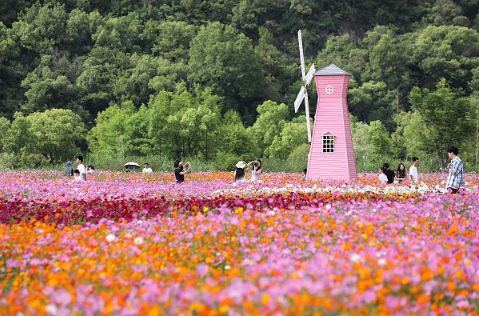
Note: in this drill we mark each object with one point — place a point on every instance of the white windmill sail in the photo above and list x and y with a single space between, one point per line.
303 93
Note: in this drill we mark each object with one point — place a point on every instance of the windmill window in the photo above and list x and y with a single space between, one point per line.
328 143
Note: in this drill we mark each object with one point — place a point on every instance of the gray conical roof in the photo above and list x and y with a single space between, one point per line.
331 70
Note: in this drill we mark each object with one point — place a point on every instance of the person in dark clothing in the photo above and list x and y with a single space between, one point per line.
69 169
389 173
180 171
401 173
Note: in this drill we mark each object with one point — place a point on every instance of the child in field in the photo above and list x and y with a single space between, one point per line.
389 173
76 174
303 177
382 177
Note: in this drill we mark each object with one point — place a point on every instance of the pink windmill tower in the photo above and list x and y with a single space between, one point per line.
331 155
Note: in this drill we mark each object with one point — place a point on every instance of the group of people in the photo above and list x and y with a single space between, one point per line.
389 176
80 172
455 178
256 170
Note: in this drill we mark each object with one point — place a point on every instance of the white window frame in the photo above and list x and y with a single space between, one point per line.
328 141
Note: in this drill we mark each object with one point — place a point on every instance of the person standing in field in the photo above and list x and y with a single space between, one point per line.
147 169
181 170
401 173
413 174
455 178
81 168
240 175
69 169
256 169
389 173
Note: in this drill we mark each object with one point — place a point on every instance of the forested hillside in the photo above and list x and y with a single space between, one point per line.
217 80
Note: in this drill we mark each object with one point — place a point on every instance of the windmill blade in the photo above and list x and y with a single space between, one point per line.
309 75
308 123
300 41
301 95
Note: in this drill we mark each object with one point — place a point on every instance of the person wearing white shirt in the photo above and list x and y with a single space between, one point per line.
76 175
413 174
382 177
147 169
81 168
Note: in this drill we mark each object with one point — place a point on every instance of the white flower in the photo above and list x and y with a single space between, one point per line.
51 309
227 267
355 257
138 241
382 262
272 213
110 237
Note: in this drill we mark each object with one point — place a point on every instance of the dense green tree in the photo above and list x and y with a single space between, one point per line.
185 124
41 27
98 74
270 122
160 131
108 137
372 143
169 39
146 76
234 139
79 29
372 101
444 12
120 33
292 136
11 73
225 61
50 85
136 133
388 61
410 136
447 118
57 133
19 138
449 52
4 129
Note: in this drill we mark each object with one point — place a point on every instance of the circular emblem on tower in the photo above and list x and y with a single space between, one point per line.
329 89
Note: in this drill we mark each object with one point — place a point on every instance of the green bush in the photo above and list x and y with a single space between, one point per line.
299 157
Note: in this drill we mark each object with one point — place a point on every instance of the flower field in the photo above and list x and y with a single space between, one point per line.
129 244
